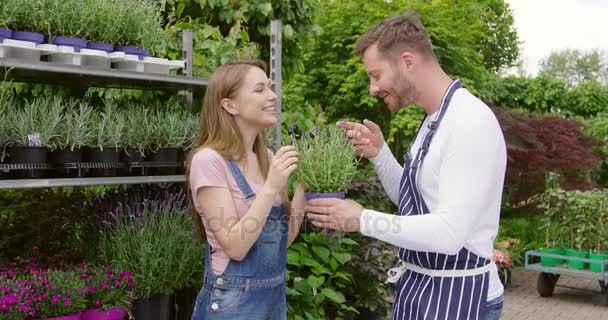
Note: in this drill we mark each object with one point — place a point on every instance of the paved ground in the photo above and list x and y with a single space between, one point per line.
522 302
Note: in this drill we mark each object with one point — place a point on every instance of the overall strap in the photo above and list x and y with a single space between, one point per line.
240 180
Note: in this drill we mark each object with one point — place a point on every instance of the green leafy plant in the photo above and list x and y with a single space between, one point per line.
154 240
108 127
39 118
61 298
169 128
105 20
327 161
69 18
6 15
138 130
28 15
317 277
75 129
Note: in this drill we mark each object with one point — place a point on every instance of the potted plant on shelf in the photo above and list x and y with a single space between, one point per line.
6 19
32 22
137 135
75 132
33 130
107 127
109 294
327 163
169 136
140 28
105 21
69 20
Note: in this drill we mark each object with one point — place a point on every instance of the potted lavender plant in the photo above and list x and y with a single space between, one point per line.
327 163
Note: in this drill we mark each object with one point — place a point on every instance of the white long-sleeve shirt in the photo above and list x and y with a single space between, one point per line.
460 180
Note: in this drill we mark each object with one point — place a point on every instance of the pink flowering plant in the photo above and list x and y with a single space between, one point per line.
506 253
106 288
41 295
59 294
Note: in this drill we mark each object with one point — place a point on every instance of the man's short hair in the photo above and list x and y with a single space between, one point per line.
397 33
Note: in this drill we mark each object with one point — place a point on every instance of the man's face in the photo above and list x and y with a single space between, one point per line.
388 79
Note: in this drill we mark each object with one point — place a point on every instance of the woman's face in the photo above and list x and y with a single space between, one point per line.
255 103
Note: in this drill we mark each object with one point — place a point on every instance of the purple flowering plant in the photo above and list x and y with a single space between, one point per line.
106 288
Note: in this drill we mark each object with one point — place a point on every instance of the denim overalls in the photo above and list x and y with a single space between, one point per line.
253 288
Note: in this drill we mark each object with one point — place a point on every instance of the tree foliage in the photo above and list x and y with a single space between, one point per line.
576 66
470 38
545 94
536 145
250 20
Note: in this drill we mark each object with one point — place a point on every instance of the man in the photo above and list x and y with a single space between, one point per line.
449 190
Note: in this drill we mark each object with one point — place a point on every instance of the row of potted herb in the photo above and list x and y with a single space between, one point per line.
131 26
574 223
66 126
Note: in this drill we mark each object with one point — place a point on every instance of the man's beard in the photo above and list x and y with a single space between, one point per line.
405 92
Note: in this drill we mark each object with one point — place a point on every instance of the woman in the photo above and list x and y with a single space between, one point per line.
239 191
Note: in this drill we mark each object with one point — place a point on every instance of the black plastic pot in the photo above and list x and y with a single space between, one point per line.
130 156
66 157
109 156
182 304
155 307
27 156
165 155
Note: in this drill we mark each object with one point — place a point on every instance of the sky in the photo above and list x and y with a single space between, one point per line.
546 25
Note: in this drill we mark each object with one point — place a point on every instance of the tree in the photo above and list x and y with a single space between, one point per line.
575 66
470 39
248 21
536 145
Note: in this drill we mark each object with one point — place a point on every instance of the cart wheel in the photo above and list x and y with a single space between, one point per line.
546 283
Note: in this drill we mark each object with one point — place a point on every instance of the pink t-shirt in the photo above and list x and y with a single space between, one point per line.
210 169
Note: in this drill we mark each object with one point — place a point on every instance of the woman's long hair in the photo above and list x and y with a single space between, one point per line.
218 129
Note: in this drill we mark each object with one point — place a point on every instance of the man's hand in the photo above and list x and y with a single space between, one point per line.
337 214
366 137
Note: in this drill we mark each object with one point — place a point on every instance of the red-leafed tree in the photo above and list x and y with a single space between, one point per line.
537 145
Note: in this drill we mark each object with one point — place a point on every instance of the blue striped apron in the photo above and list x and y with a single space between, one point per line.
432 285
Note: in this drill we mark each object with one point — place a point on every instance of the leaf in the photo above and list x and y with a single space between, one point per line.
265 8
288 31
179 10
341 257
333 295
309 262
293 258
349 241
322 252
315 282
292 292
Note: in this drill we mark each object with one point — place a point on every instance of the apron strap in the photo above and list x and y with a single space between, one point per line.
395 273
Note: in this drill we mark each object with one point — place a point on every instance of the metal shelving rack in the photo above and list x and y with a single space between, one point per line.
76 76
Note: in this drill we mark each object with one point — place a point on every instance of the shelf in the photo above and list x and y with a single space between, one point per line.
66 182
57 74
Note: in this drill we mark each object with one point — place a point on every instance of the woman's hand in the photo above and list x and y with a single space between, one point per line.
282 166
